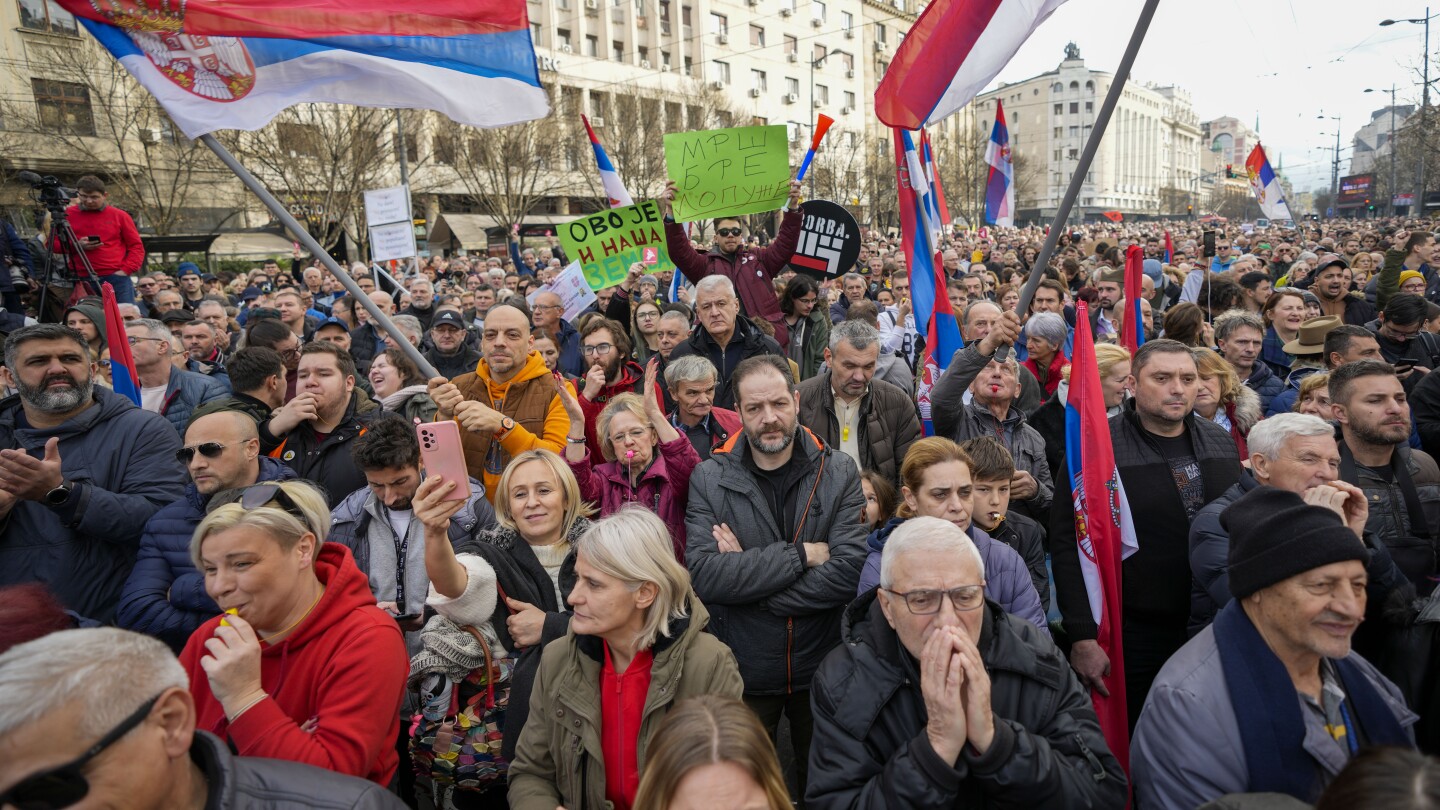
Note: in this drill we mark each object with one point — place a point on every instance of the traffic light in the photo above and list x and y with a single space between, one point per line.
1229 171
1190 209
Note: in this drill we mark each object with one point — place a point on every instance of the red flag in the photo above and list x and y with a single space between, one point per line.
123 377
1132 332
1113 216
1103 527
1169 249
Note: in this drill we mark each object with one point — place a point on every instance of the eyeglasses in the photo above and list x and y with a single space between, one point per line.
257 496
598 348
636 434
104 364
206 449
728 231
927 602
548 306
646 316
66 785
135 341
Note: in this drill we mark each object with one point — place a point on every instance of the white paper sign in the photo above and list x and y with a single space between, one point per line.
386 205
573 289
393 241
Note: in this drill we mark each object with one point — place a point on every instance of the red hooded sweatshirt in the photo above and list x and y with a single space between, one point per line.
341 671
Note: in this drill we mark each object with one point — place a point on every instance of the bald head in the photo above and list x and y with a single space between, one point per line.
383 302
222 426
224 449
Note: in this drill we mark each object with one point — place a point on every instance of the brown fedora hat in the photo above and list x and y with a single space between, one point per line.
1311 339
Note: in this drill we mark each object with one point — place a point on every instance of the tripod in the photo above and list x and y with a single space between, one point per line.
64 241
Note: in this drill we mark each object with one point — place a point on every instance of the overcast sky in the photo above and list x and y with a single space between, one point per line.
1285 60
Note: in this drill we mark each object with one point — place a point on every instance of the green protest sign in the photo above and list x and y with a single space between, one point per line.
607 243
744 170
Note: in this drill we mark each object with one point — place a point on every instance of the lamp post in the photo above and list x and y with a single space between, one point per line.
814 63
1391 143
1335 164
1424 103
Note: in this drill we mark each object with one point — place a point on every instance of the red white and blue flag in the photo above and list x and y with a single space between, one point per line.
123 377
1103 527
609 178
1132 328
931 304
951 53
236 64
938 210
1169 249
1000 187
1266 185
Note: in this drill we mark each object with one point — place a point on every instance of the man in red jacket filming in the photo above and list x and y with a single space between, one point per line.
108 236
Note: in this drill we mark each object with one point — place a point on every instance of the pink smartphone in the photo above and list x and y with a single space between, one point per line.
443 456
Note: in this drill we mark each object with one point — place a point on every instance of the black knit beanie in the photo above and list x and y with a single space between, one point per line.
1275 535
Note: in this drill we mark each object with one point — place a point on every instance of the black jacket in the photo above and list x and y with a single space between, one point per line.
451 366
748 341
256 783
1156 579
325 463
1028 539
870 748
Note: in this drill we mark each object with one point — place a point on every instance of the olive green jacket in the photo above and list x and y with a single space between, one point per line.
558 761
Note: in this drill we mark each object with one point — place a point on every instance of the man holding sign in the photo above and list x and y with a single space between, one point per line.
752 270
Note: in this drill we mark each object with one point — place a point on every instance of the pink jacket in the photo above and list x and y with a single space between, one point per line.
663 489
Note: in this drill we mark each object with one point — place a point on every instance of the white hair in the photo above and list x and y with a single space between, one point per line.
715 284
108 672
926 534
410 326
1269 435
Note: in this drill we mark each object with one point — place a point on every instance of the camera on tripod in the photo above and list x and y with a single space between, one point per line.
50 193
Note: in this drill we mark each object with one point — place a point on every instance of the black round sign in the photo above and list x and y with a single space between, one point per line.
829 242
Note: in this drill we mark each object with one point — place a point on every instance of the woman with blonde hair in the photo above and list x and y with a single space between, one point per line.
302 665
1223 400
636 646
712 746
1314 396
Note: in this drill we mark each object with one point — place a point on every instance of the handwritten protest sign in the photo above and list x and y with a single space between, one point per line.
575 294
744 170
607 243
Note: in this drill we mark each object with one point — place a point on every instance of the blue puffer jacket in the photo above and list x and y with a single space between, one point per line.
1007 580
122 462
1263 381
187 391
165 595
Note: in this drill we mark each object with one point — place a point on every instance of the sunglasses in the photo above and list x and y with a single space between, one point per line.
257 496
206 449
728 231
66 785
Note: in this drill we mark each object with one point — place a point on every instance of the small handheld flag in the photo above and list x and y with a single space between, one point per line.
1266 185
123 378
1000 187
1132 328
822 125
609 178
1169 249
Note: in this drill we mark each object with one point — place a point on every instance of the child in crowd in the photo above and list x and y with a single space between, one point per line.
991 471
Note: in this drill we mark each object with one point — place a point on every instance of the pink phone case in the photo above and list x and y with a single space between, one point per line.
443 456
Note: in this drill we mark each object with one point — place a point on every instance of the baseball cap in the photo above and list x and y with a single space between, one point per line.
177 316
332 322
448 317
250 294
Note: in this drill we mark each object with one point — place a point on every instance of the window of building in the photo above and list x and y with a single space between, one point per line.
849 99
617 51
689 66
822 94
792 45
880 33
757 36
1059 132
758 82
818 52
719 24
1074 107
63 106
665 10
722 72
644 54
758 120
1059 108
665 59
562 38
1074 85
685 16
817 10
848 60
535 33
881 67
592 45
1074 132
847 21
1089 106
47 15
792 86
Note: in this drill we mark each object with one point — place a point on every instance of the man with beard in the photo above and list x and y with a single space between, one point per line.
164 389
507 405
1239 335
422 301
1402 485
1109 289
378 523
724 337
1171 464
314 428
774 546
165 594
82 472
1332 287
606 347
452 355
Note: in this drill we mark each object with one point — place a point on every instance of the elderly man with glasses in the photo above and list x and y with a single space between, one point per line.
165 594
963 705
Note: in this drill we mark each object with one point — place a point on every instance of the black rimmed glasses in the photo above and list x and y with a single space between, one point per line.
927 602
66 785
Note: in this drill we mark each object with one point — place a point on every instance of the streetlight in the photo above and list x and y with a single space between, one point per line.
1335 166
1391 143
814 63
1424 102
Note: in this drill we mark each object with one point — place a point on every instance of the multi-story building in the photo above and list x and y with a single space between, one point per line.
1372 141
1149 153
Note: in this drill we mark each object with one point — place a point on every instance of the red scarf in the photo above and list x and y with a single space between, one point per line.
1051 379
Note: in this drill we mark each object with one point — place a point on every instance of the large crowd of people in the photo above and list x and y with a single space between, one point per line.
706 551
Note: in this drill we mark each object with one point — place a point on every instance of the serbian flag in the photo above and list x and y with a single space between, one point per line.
1169 249
609 178
1103 527
933 313
1000 188
236 64
1266 185
1132 332
939 211
951 53
123 378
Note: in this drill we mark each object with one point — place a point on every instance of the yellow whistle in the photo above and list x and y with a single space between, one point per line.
230 612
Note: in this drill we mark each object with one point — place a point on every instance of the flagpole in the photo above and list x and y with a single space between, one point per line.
1092 145
303 236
